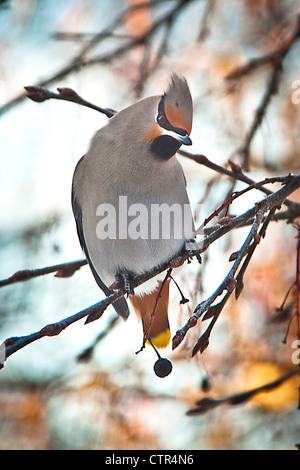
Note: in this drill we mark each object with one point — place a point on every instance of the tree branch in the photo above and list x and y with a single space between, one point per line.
40 94
235 173
275 59
61 270
230 282
81 60
272 201
206 404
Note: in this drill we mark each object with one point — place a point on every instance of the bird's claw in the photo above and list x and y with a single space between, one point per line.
123 281
191 249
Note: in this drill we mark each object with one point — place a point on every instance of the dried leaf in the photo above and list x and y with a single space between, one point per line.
239 284
202 343
239 287
234 256
215 310
94 315
212 312
66 272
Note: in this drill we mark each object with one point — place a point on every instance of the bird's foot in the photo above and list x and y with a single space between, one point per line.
191 249
123 281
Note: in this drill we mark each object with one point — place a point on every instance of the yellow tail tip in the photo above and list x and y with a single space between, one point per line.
162 340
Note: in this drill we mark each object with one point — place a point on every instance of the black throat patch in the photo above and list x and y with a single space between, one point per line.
164 147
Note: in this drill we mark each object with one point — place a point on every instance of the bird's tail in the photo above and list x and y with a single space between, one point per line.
152 308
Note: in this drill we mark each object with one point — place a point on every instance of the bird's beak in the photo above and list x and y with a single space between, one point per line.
184 139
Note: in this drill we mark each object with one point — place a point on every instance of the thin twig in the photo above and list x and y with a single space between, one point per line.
81 60
204 29
40 94
276 59
61 270
271 89
271 57
14 344
237 194
212 233
236 173
207 404
228 283
147 334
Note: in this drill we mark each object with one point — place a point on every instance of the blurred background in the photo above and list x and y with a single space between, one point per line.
53 395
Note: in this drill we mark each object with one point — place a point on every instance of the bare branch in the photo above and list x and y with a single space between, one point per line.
208 12
81 59
237 194
61 270
14 344
237 174
69 268
271 58
272 201
40 94
276 59
206 404
230 282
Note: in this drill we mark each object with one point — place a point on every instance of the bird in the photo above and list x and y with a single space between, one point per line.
131 163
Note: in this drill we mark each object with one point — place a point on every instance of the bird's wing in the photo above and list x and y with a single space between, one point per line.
120 305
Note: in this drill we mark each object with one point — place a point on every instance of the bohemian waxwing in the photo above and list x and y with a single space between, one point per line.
131 170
